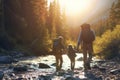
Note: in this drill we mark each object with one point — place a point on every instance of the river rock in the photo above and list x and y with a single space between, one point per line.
11 74
54 64
42 65
95 66
70 78
100 61
115 71
22 79
80 59
7 60
42 77
20 69
102 69
1 75
16 54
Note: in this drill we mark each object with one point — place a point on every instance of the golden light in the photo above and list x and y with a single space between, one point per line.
77 10
74 7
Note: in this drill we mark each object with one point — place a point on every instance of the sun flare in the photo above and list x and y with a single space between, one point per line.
74 7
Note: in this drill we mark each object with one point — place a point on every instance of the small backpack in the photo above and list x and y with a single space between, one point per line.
88 36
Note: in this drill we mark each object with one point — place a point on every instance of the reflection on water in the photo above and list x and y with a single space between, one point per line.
47 60
66 62
51 59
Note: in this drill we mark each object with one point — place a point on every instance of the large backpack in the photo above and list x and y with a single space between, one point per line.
88 36
56 44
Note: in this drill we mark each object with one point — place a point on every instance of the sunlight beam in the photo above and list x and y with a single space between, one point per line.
74 7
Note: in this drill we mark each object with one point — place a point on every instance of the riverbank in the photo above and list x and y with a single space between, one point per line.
30 70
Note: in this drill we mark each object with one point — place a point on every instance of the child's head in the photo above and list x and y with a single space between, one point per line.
60 38
70 46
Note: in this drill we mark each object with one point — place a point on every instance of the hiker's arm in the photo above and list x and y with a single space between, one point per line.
93 33
63 48
79 40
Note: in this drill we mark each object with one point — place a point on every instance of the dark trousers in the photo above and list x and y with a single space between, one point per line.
72 63
87 51
59 61
72 60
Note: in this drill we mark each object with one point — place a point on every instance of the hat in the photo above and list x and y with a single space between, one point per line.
60 37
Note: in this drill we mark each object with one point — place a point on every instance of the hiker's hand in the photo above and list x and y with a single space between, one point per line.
77 48
65 51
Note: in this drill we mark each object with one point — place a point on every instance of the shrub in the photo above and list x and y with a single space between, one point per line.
108 45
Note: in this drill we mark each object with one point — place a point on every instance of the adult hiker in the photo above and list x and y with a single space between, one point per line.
58 49
86 38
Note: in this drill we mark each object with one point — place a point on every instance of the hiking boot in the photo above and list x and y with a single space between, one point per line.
85 69
72 68
87 66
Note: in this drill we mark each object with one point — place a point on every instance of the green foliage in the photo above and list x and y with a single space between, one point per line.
26 24
107 19
114 17
108 45
31 25
56 21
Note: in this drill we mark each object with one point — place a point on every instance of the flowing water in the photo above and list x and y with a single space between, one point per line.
51 60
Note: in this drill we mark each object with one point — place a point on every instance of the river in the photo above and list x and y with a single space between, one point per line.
49 60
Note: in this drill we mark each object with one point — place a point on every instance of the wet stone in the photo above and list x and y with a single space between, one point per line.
70 78
115 71
42 65
102 69
60 73
7 60
42 77
54 64
1 75
80 59
95 66
100 61
20 69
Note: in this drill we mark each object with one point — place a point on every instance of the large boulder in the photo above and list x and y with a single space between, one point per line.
1 75
42 65
6 60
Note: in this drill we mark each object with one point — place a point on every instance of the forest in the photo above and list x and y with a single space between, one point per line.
29 26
